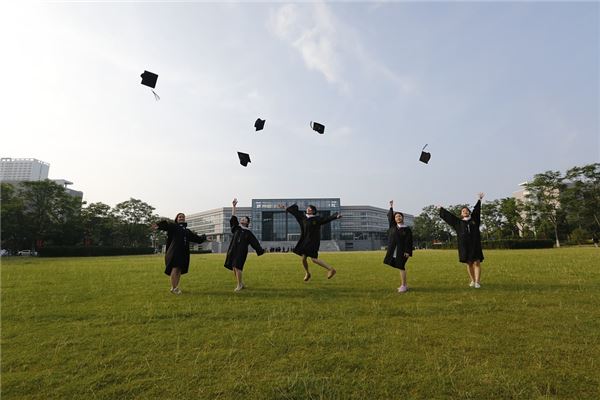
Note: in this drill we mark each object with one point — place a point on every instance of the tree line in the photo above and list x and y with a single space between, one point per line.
561 207
42 213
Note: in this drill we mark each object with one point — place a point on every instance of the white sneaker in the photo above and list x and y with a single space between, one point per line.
472 284
176 290
477 285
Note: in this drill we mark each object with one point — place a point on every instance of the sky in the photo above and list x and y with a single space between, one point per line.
500 91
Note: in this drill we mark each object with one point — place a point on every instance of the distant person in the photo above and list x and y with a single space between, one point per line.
469 238
400 245
177 257
310 237
595 239
238 248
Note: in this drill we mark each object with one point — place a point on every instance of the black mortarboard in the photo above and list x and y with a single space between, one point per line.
149 79
259 124
244 158
317 127
425 156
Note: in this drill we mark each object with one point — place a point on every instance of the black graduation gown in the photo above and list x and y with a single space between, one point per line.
178 245
238 248
467 232
400 240
310 232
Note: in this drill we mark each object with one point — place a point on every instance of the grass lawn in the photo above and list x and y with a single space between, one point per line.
108 328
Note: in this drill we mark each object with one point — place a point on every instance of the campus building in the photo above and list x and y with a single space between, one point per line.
23 169
17 170
361 228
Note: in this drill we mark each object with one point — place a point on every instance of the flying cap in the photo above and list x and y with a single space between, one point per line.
259 124
244 158
149 79
317 127
425 156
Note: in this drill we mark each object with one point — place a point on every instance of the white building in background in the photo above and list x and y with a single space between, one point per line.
17 170
23 169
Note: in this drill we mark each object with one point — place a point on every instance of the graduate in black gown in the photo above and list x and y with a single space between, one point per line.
177 257
400 245
238 248
310 236
469 238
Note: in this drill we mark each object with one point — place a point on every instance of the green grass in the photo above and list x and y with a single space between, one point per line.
108 328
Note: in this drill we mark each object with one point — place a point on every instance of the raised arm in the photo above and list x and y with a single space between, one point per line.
293 209
449 218
233 221
476 214
390 214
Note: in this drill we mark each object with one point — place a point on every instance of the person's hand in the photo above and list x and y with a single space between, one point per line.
406 255
280 206
339 216
234 202
481 196
438 206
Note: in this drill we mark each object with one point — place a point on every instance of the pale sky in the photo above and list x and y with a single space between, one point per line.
499 90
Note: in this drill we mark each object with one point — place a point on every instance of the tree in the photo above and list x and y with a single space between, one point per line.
12 216
51 214
99 224
429 227
580 198
544 196
134 218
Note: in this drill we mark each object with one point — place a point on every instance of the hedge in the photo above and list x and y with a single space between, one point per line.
518 244
92 251
506 244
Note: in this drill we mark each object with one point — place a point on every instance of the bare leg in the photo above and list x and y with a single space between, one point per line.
470 271
175 277
305 265
238 277
477 271
403 277
326 266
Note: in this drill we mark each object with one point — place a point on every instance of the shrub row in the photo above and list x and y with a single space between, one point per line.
92 251
518 244
506 244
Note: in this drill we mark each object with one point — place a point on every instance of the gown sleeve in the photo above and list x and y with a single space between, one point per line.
255 245
293 209
233 223
476 214
409 241
449 218
164 225
328 219
390 216
192 237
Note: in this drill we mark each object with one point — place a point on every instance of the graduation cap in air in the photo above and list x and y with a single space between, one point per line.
317 127
425 156
259 124
244 158
149 79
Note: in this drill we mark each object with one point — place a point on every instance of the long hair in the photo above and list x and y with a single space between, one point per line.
178 214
